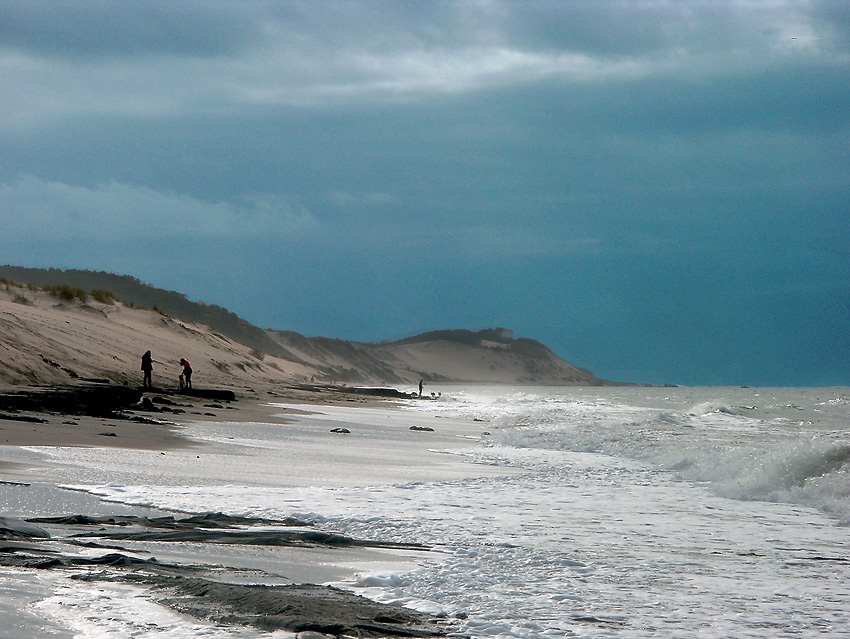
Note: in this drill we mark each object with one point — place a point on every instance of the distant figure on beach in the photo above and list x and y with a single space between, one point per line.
187 373
421 385
147 369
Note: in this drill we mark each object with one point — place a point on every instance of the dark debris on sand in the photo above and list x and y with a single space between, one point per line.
98 400
92 399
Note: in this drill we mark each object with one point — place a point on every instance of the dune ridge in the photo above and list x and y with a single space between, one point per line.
53 330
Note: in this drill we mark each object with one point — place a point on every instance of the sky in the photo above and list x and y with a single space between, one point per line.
659 191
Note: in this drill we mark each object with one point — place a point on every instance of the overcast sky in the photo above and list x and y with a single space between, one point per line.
658 191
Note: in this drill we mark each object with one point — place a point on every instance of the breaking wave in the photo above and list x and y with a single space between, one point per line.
738 455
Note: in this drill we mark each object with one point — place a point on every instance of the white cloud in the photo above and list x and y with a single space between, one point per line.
35 209
479 68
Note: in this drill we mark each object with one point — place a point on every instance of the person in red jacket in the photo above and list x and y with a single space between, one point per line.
187 373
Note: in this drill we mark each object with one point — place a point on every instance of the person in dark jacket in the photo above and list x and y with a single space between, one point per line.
147 369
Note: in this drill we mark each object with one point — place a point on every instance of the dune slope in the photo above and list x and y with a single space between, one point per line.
51 336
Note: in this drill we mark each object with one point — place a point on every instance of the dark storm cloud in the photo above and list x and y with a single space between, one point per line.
104 28
657 190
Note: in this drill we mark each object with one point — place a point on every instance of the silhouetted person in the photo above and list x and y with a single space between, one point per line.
187 373
147 369
421 384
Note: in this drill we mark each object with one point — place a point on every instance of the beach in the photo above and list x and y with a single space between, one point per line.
88 453
40 463
500 512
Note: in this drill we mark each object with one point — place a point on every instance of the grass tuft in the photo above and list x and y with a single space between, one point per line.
67 293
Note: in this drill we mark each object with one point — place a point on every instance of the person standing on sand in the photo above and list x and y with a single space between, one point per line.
187 373
421 384
147 369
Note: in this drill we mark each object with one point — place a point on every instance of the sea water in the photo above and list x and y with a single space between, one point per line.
604 512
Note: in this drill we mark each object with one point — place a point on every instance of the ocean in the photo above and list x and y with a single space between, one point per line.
551 512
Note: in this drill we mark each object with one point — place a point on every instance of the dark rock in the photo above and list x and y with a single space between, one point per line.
381 392
295 608
219 394
141 419
357 390
148 405
94 400
23 418
19 528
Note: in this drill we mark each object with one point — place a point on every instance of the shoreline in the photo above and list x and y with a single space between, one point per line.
41 522
155 423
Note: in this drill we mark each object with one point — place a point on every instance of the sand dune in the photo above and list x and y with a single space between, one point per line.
47 338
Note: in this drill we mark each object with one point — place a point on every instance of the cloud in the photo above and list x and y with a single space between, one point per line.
35 209
139 59
92 29
529 159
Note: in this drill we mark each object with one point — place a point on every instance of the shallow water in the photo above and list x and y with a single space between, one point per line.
627 512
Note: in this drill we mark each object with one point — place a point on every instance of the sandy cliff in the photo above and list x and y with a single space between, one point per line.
61 336
48 340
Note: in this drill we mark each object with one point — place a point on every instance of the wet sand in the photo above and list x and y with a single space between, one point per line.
156 425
